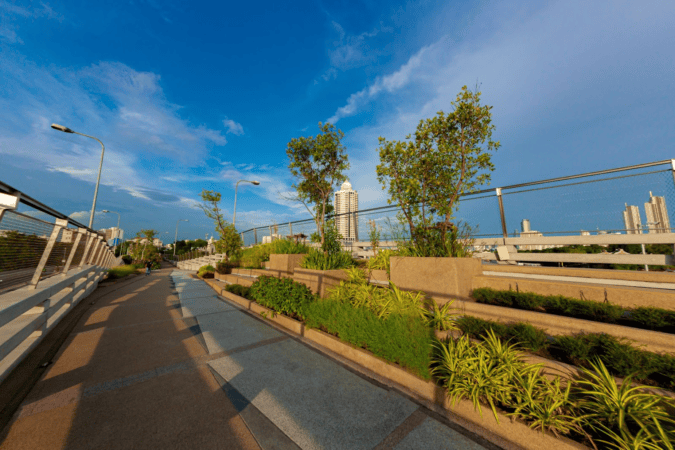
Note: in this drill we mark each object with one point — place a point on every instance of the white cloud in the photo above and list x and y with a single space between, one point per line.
233 127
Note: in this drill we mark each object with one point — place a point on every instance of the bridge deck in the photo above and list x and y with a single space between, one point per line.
162 362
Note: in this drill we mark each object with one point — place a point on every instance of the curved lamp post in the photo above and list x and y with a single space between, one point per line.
175 242
234 214
118 225
98 180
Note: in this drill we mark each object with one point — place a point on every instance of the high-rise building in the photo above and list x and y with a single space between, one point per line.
112 233
657 215
631 220
347 201
525 225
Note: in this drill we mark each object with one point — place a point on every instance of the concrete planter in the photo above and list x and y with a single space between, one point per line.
555 325
379 276
504 432
285 263
319 281
443 279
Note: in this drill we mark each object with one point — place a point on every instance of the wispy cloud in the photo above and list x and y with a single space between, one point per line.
233 127
351 51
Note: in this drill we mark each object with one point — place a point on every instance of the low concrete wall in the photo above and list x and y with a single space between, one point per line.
559 325
628 297
378 276
633 275
443 279
319 281
285 263
234 279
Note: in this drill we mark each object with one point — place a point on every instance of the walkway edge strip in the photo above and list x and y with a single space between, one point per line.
517 434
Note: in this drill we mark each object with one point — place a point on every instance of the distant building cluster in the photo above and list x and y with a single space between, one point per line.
527 231
347 201
655 212
111 234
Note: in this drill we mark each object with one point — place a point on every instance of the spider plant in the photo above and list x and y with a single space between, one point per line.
441 317
639 417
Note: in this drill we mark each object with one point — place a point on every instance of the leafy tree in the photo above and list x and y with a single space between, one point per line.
318 162
230 241
426 175
143 250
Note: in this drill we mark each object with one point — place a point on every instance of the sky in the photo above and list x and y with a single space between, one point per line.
188 97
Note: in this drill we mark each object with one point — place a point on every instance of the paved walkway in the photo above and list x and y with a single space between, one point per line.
162 362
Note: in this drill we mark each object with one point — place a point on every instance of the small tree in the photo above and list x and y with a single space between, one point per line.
318 162
427 175
230 241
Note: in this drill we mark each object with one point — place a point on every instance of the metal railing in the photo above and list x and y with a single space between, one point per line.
47 265
584 206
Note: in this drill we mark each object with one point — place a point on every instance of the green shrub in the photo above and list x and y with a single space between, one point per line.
318 260
649 318
620 357
282 295
254 257
652 319
121 271
206 271
288 247
402 339
224 267
238 289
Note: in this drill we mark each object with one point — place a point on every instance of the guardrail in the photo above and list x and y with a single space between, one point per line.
45 270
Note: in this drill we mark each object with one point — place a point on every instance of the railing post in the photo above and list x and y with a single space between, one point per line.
58 226
97 250
101 257
255 235
498 191
9 203
290 228
87 248
80 232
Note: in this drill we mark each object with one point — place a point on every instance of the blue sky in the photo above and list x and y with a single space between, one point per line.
192 97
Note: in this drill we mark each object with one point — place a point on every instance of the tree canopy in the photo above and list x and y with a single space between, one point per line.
448 156
318 163
230 241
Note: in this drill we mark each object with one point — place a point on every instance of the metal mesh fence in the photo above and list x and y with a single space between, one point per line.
575 205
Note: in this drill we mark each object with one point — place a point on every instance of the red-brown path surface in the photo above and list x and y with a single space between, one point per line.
130 375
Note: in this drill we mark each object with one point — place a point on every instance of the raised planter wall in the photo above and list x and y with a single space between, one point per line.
285 263
633 275
443 279
628 297
555 325
319 281
379 276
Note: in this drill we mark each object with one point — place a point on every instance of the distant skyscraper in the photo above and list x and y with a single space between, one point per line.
631 220
347 201
525 225
657 215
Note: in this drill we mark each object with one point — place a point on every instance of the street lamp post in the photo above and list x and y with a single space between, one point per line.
100 166
175 242
118 225
234 213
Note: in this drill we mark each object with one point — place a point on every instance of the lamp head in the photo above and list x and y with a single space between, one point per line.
105 211
62 128
255 182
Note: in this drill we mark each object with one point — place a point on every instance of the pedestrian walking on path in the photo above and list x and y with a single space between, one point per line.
148 265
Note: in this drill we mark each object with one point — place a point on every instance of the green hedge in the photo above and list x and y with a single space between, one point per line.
403 339
620 357
647 318
120 271
238 289
283 295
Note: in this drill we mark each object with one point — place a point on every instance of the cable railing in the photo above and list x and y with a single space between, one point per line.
630 203
48 263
